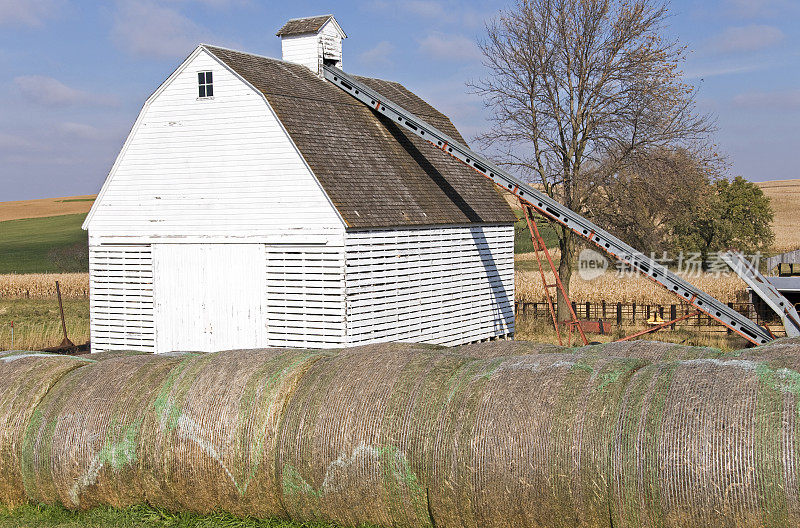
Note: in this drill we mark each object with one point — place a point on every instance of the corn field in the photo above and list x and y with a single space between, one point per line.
36 285
633 288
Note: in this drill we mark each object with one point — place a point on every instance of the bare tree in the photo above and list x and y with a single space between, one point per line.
655 191
579 86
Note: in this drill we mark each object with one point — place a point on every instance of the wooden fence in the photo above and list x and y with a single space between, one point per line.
630 314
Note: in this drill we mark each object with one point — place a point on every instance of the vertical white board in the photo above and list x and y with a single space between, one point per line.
121 297
306 295
445 285
209 297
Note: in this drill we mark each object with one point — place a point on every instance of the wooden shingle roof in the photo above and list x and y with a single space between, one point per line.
375 173
301 26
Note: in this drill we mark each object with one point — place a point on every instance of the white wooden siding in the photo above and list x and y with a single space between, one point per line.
443 285
306 296
215 168
308 50
210 297
331 43
121 298
302 49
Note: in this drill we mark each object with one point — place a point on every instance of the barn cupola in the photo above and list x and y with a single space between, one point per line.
312 42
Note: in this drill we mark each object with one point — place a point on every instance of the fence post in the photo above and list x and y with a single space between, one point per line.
633 313
673 314
575 308
647 312
588 310
619 314
603 305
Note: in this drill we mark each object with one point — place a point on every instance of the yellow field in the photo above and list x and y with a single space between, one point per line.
785 197
627 289
45 207
34 285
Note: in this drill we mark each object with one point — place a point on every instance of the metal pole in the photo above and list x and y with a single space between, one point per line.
66 343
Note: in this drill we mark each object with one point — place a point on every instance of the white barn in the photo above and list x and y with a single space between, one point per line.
254 204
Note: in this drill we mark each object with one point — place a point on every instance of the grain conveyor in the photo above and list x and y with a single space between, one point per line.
552 209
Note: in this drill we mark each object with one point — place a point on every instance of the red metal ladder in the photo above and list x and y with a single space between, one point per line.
540 247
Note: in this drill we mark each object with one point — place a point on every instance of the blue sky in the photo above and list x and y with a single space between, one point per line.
74 74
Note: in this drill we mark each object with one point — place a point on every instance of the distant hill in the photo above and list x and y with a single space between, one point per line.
785 198
46 207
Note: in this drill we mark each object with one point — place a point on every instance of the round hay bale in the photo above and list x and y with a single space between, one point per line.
651 350
786 350
25 378
707 442
83 448
357 433
210 442
501 348
420 439
526 442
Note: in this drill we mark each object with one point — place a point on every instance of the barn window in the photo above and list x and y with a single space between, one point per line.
205 84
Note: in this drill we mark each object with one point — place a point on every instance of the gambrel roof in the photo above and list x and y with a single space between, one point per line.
375 173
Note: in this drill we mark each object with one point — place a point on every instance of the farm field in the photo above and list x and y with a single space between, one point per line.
785 198
135 517
46 207
629 288
43 245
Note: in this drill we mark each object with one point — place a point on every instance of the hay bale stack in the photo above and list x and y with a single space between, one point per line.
422 439
525 442
211 441
707 442
500 348
25 379
84 447
406 435
357 433
651 350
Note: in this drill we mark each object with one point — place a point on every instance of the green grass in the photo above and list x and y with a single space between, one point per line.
137 516
43 245
37 322
522 237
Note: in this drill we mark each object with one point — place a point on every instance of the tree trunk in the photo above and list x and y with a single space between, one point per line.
567 245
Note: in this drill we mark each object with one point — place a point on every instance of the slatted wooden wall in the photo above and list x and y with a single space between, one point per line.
306 296
444 285
121 297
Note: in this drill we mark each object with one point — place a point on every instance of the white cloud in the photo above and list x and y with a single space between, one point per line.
147 29
782 100
449 47
716 70
12 142
31 13
47 91
746 38
80 130
378 54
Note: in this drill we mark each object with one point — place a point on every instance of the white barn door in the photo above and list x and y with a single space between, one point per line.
209 297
